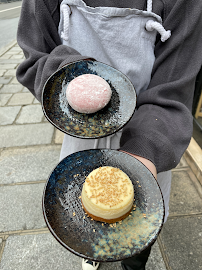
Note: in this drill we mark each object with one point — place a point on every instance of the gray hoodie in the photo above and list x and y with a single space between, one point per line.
170 92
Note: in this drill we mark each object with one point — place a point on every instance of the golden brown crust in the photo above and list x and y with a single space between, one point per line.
107 220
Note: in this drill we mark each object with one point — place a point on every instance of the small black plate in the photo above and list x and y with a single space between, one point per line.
92 239
100 124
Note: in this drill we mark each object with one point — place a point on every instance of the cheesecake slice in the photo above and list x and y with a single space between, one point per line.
107 194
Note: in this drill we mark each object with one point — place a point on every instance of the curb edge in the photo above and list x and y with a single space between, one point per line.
7 47
193 156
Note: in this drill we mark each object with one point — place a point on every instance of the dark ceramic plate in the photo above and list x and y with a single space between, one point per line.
95 240
103 123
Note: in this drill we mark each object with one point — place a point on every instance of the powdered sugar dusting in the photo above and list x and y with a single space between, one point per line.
64 105
71 203
88 93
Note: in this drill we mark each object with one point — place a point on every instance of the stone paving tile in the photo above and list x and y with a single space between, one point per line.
5 56
37 252
182 239
155 261
42 252
25 90
26 135
5 80
14 81
10 72
4 99
8 115
184 197
15 49
2 72
11 53
21 99
7 89
8 62
30 114
40 162
58 137
21 207
36 101
8 53
5 65
18 56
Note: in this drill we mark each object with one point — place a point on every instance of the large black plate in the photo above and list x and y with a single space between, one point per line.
103 123
92 239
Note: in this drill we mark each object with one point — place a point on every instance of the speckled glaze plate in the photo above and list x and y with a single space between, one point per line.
103 123
95 240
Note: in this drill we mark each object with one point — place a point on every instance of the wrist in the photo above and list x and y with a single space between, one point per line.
150 166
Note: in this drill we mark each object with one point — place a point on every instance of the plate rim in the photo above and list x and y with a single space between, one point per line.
82 255
74 135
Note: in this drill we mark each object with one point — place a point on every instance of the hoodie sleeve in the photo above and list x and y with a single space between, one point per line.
38 37
161 128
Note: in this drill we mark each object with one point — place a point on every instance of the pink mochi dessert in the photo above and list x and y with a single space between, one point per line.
88 93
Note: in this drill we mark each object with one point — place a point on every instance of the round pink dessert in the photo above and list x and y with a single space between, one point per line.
88 93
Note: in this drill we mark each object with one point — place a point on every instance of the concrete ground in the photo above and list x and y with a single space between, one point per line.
29 150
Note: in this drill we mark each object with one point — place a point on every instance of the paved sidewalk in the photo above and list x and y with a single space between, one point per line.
29 150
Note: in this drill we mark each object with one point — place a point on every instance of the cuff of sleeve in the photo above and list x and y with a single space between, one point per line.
162 156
